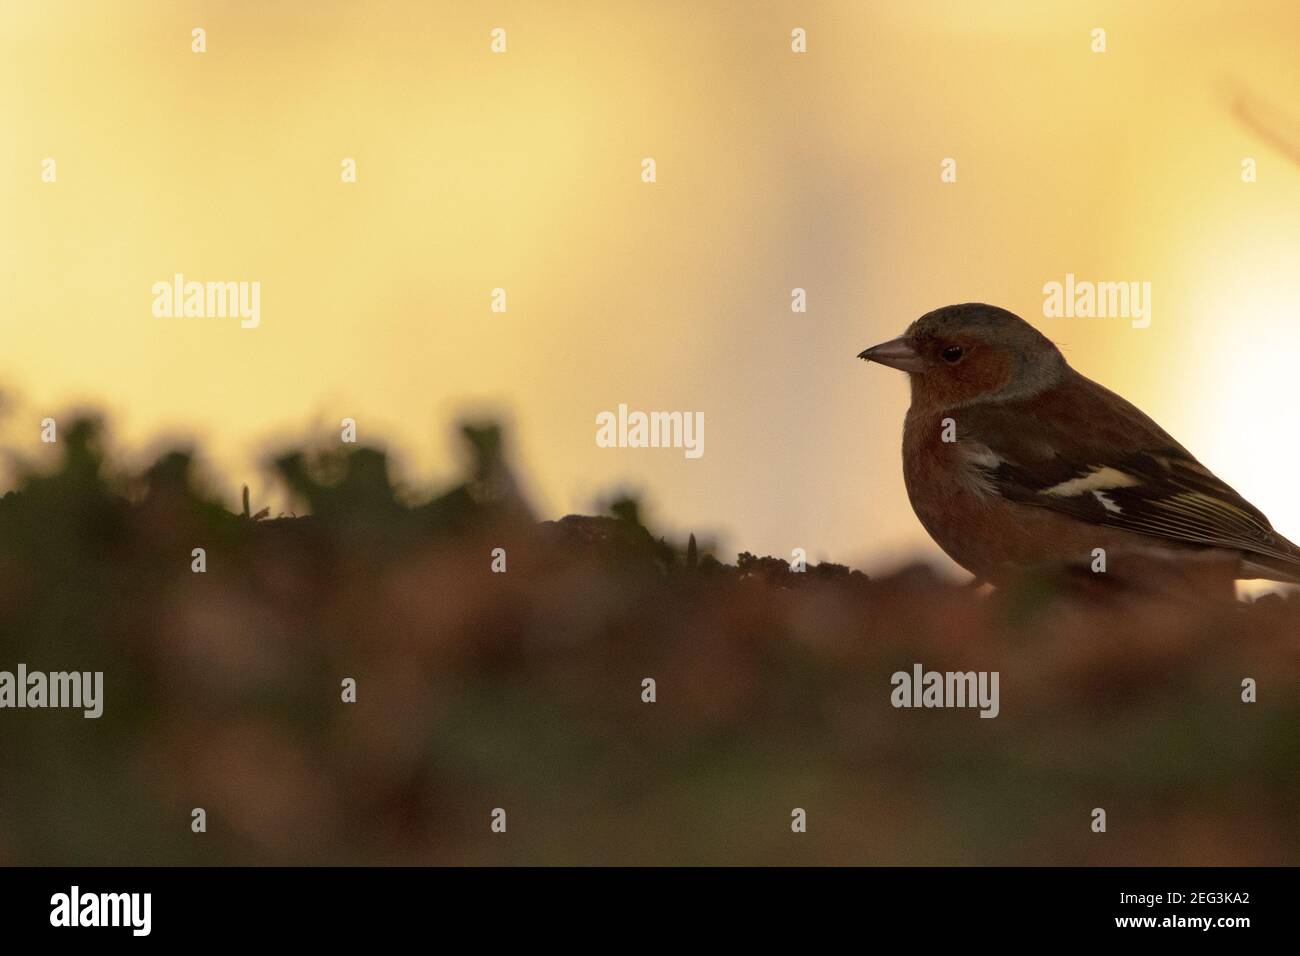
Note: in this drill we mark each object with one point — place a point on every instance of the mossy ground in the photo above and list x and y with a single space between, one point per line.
523 690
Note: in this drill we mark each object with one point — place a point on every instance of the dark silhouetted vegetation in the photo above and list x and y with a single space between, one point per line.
523 690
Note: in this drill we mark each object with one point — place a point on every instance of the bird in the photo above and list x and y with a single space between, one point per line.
1017 464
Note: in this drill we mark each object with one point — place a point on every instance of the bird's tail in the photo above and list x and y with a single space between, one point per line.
1274 567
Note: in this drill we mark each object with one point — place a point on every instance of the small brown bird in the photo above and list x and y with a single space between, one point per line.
1015 462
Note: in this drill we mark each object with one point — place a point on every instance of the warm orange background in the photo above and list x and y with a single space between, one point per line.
522 170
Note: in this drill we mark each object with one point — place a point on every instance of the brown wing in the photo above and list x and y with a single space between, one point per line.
1096 457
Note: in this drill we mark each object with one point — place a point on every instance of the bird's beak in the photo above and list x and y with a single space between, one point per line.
896 353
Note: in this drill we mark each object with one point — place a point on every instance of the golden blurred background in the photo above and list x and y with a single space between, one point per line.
521 170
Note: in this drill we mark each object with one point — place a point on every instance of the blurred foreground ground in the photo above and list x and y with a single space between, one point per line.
522 690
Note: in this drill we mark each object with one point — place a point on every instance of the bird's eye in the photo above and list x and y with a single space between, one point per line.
952 354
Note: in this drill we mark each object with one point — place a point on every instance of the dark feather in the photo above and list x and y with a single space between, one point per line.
1080 428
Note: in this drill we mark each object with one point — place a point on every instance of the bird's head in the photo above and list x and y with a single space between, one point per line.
968 353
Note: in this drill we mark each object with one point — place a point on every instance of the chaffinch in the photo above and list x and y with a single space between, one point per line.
1014 461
